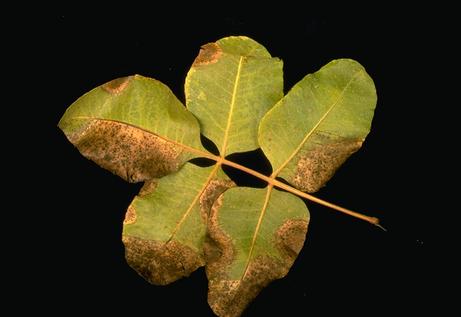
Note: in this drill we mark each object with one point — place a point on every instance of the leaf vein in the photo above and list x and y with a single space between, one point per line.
194 202
258 227
231 109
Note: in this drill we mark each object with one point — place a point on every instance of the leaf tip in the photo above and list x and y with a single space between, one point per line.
160 263
229 297
375 221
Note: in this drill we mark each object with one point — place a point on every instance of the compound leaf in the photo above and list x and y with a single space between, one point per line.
188 216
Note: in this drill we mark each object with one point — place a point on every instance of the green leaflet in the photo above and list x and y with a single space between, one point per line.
319 124
165 225
257 234
133 126
229 88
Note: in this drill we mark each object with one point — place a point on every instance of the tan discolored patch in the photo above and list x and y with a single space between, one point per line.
231 297
130 216
117 85
319 164
214 188
291 236
148 187
218 247
161 263
209 54
129 152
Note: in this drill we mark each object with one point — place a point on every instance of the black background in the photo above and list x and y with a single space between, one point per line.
346 265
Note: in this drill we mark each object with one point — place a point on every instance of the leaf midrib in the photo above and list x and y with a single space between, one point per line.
258 227
194 201
309 134
231 108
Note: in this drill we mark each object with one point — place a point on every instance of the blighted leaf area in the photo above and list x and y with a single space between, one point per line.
116 86
129 152
290 237
317 166
214 188
160 263
209 54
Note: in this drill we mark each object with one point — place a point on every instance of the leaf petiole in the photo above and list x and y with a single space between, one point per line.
274 182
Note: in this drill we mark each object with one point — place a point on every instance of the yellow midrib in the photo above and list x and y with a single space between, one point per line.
325 115
258 226
231 108
194 202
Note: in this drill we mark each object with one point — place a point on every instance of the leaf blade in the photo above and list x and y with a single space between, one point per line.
256 234
319 124
133 126
220 91
164 229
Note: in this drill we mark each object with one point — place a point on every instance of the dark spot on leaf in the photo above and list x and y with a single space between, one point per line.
318 165
117 85
129 152
158 262
209 54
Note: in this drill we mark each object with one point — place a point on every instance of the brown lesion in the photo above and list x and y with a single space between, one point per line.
129 152
209 54
219 250
148 187
130 215
117 85
213 190
290 238
231 297
219 254
161 263
317 165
